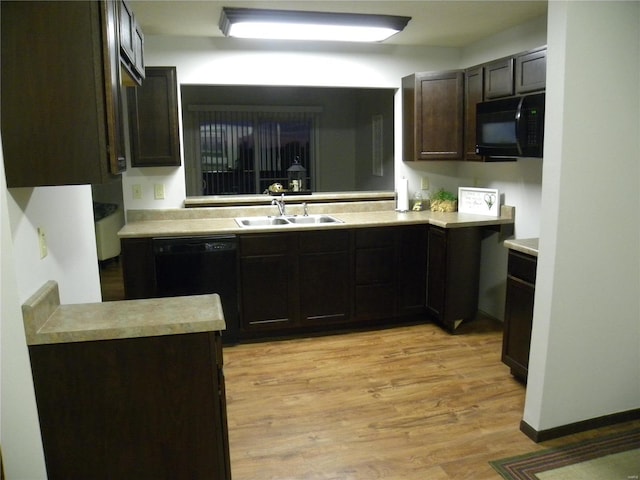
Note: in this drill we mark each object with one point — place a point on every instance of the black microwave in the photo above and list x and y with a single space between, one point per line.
510 127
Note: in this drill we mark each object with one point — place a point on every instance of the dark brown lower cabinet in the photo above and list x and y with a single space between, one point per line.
143 408
324 274
518 314
453 273
390 272
268 292
303 281
293 281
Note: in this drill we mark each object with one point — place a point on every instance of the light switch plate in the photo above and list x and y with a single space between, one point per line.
158 190
137 191
42 243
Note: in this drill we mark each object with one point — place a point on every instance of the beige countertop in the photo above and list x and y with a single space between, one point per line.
523 245
176 223
47 322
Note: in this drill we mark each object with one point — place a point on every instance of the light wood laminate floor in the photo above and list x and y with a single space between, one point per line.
405 403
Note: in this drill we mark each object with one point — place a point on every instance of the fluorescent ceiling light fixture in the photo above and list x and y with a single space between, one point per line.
303 25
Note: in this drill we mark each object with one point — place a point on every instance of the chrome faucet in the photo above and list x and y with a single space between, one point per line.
304 208
282 208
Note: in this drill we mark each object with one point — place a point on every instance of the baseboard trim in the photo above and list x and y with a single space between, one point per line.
577 427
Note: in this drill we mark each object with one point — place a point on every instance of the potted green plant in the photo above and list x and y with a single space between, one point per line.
443 201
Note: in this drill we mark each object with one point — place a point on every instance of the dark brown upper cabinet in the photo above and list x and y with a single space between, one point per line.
60 93
153 119
522 73
131 46
498 78
433 115
531 71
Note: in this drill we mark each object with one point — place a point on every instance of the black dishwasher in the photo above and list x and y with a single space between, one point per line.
199 265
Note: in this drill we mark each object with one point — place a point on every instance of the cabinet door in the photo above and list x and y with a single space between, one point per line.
131 44
433 116
116 157
474 91
518 319
531 71
126 29
518 316
325 279
60 120
498 79
453 273
269 297
412 269
436 271
138 268
153 119
149 407
138 50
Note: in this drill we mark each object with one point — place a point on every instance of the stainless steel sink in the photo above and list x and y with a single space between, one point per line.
289 220
261 221
314 219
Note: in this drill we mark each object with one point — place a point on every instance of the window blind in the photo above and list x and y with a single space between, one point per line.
246 149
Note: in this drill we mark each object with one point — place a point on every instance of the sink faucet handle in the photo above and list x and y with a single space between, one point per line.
304 208
281 205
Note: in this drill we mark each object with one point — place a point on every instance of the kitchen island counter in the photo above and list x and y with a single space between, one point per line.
48 322
129 389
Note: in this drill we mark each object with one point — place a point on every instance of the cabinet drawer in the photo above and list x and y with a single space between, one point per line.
373 237
324 241
522 266
265 244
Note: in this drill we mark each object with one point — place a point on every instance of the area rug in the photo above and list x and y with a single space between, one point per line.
612 457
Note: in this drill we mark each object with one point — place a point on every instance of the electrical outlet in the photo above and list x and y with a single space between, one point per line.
158 191
137 191
42 243
425 183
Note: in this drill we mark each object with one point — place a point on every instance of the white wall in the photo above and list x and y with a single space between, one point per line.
585 348
523 37
66 215
19 428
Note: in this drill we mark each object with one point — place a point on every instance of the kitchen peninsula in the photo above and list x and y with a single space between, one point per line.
112 395
374 266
